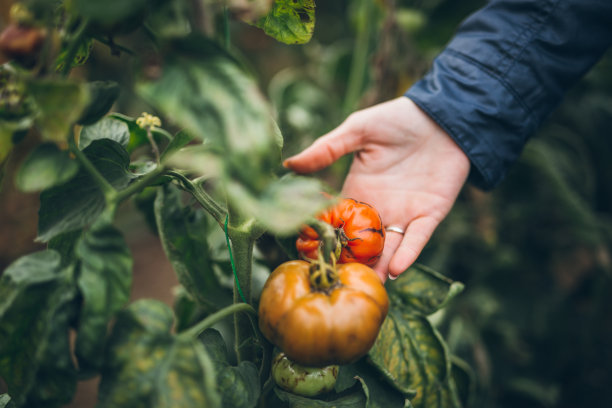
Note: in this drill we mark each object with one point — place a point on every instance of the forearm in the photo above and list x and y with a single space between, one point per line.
505 70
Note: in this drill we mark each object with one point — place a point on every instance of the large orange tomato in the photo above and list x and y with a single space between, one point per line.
322 315
359 229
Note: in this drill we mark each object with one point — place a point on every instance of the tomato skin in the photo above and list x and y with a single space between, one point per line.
361 233
17 41
301 380
317 328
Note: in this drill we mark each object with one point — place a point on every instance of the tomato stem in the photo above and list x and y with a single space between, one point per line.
328 238
198 328
323 276
75 40
139 185
197 191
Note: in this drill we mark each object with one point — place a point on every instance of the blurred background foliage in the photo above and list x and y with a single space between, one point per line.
535 320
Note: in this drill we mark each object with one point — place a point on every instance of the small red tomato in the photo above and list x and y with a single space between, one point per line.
359 229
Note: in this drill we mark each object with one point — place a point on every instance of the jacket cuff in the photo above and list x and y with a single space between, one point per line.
481 112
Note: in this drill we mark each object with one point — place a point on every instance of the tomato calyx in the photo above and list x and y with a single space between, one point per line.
323 276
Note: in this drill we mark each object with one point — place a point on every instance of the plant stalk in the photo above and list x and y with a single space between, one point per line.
206 201
107 189
242 250
214 318
327 236
139 185
73 47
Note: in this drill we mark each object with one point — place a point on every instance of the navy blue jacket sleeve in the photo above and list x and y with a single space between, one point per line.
505 70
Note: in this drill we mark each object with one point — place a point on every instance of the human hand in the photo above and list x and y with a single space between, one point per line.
405 165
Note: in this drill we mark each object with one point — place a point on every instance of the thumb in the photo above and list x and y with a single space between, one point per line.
324 151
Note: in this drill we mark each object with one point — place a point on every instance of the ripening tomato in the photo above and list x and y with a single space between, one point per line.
321 316
19 42
301 380
359 229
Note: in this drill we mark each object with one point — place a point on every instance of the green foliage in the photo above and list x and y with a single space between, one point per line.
183 232
104 281
45 167
209 94
36 307
59 103
107 128
102 96
284 206
147 366
409 350
239 386
79 202
5 401
290 21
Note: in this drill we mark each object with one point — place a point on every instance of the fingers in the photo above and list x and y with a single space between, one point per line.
392 242
417 235
324 151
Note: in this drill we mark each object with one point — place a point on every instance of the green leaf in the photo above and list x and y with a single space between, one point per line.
353 400
146 366
183 233
8 129
180 140
65 245
284 206
239 386
378 390
290 21
78 203
36 306
45 167
107 128
411 353
207 93
59 104
215 347
103 95
423 290
5 401
199 160
105 282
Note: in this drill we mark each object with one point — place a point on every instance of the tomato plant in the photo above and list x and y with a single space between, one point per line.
203 165
359 229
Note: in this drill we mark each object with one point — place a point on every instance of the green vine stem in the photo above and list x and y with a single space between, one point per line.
107 189
140 184
327 235
73 47
216 317
199 193
242 250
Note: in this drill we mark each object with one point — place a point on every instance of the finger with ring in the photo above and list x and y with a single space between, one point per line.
394 228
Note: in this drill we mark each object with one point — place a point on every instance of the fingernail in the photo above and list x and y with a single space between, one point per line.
286 163
392 277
